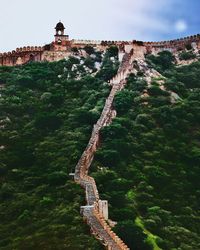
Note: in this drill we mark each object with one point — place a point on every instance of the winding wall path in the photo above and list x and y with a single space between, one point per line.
95 220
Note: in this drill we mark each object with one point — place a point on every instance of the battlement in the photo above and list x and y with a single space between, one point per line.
21 55
30 48
173 45
61 47
175 41
21 50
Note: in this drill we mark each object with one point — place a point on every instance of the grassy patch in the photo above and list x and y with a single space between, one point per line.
151 239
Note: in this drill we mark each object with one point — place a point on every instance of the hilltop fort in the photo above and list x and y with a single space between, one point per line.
62 47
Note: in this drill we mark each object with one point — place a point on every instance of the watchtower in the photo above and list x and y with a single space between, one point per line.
61 40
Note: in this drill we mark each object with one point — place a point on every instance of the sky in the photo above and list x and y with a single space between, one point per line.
32 22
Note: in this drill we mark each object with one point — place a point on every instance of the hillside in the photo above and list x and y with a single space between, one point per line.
147 165
46 119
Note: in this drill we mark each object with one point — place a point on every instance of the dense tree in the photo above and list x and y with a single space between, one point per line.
155 148
47 115
163 61
147 165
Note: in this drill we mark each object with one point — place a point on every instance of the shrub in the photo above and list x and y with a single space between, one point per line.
113 51
89 50
188 46
156 91
123 101
163 61
75 50
187 55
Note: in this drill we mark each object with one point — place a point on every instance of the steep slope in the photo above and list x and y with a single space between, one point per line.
47 111
148 164
91 211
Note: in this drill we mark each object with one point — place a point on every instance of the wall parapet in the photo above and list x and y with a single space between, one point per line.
21 55
175 41
21 50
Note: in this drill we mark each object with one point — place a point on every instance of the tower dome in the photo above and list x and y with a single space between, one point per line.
59 26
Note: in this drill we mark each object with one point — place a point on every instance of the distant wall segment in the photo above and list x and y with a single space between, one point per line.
21 56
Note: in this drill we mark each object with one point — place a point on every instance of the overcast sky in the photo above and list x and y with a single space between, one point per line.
32 22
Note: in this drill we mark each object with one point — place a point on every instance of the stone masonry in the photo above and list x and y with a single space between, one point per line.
95 211
62 47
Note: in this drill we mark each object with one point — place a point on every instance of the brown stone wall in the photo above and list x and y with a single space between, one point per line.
55 52
92 211
21 56
172 45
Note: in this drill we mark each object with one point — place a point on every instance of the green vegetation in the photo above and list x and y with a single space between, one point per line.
187 55
47 114
110 64
188 46
151 239
148 163
89 50
162 62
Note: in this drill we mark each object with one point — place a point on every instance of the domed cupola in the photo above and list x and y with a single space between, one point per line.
60 28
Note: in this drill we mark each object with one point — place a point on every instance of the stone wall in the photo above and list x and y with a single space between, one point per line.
172 45
21 56
94 212
52 53
103 208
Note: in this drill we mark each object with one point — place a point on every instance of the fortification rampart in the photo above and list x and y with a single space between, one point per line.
55 52
92 211
21 56
172 45
175 42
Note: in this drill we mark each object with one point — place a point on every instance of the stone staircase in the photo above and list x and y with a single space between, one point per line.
91 212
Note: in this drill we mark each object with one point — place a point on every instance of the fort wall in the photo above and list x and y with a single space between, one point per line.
21 56
172 45
55 52
96 211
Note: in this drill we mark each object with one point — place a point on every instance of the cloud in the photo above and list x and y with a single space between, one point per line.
181 26
145 20
94 19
